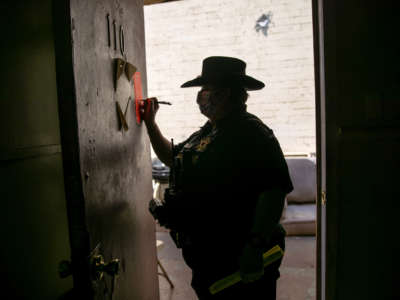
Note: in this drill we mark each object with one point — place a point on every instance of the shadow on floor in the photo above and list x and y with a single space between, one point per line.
297 281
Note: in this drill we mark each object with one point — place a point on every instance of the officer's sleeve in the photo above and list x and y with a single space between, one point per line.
266 161
178 147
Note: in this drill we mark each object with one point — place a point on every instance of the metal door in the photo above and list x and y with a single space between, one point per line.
107 168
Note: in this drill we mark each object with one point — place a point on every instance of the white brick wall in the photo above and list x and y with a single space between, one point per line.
179 35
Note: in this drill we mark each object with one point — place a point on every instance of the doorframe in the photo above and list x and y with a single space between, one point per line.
320 119
324 37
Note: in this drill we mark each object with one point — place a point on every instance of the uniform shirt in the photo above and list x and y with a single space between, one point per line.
224 169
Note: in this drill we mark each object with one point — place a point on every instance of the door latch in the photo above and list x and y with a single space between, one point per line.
323 198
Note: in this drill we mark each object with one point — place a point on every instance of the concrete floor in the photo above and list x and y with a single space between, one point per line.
297 281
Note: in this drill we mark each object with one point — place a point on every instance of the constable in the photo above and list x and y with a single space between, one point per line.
233 181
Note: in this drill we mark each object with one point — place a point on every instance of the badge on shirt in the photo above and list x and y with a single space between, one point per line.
203 144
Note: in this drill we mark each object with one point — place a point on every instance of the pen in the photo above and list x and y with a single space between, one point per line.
164 102
159 102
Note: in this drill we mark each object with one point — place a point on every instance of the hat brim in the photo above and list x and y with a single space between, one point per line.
249 83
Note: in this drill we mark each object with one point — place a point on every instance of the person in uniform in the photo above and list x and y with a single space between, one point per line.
232 180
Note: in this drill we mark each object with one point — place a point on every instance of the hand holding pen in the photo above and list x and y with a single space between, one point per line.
149 108
156 101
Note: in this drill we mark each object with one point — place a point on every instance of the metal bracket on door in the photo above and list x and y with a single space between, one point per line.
97 266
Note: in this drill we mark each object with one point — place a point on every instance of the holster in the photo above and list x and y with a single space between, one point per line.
167 213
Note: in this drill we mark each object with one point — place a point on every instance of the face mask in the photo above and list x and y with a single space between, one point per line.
207 107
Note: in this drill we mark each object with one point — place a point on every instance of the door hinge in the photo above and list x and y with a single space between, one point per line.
323 198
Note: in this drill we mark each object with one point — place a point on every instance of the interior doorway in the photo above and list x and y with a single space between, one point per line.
276 40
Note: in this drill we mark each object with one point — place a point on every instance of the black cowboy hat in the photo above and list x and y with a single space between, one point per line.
224 71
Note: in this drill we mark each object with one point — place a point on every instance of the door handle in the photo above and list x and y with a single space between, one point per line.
64 269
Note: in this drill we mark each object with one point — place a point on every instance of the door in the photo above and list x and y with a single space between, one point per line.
107 167
359 141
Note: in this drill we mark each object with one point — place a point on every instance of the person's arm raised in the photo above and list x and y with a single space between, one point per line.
162 147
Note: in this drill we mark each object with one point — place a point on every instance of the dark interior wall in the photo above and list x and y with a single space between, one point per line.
33 216
363 142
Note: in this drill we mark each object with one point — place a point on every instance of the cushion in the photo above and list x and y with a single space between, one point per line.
303 174
300 219
283 216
